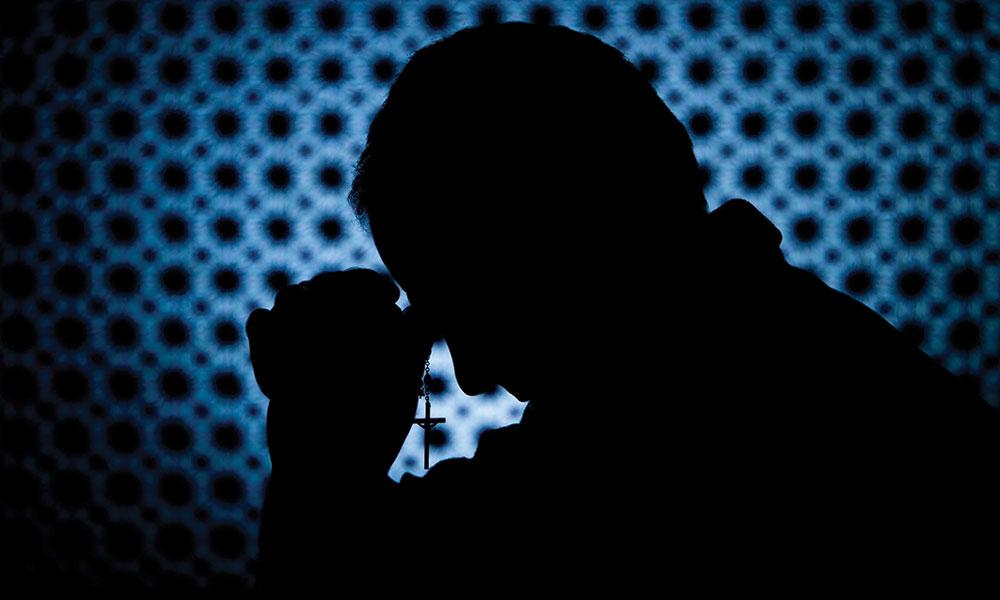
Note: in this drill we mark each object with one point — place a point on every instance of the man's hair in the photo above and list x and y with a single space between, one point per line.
521 113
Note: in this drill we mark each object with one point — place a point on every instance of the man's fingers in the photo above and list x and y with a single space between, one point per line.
291 299
364 285
420 328
254 322
337 320
351 289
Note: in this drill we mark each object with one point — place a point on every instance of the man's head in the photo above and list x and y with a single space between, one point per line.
515 177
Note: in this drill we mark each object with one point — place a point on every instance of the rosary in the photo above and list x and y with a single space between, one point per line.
427 422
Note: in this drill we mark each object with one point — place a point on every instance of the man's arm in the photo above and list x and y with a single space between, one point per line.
318 527
341 365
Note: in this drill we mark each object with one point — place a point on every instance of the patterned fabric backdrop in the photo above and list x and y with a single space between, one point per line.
165 167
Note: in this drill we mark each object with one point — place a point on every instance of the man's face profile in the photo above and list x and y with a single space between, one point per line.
511 168
465 293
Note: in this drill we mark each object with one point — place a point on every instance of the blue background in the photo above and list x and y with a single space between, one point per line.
167 166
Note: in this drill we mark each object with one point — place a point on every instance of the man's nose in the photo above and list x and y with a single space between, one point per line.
474 368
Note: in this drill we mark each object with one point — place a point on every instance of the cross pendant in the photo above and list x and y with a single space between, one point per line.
427 423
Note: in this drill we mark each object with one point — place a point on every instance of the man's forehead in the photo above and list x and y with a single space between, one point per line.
435 253
405 258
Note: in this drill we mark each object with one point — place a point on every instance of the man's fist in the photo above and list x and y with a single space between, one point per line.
342 366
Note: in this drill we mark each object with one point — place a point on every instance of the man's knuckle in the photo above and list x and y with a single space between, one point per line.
256 321
291 297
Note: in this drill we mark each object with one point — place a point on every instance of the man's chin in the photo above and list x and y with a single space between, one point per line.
515 391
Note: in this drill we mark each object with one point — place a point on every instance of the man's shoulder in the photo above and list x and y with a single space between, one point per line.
856 339
843 323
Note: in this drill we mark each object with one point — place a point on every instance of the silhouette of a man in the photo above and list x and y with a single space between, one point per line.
543 210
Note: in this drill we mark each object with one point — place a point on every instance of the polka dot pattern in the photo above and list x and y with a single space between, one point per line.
167 166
